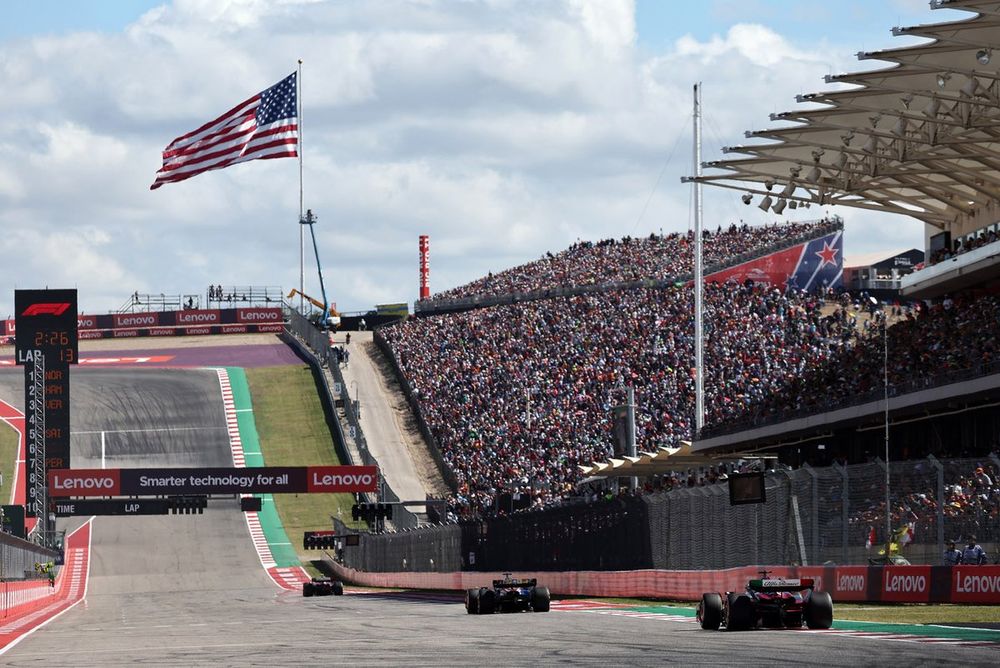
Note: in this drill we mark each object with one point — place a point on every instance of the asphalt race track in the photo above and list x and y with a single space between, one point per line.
189 590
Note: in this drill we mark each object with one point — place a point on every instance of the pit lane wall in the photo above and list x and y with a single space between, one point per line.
861 584
191 322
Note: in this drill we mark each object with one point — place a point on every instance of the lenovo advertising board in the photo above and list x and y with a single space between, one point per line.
157 482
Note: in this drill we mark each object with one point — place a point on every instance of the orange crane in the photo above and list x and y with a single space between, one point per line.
332 316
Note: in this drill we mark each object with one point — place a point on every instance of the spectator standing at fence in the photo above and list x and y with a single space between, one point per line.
348 338
974 553
361 325
952 556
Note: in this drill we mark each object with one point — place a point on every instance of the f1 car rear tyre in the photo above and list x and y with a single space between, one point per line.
741 612
540 599
819 610
487 601
472 601
710 611
307 589
338 588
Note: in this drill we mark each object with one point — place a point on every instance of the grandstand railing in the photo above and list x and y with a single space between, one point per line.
432 306
318 348
875 395
813 516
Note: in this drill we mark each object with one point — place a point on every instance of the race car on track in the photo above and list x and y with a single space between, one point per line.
507 595
768 602
323 587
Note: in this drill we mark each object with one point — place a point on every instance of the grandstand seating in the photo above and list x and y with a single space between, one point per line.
517 395
630 259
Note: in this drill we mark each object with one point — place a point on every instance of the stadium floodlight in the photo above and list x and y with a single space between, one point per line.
983 56
788 189
841 160
900 128
814 174
765 203
779 206
871 146
769 183
747 198
943 78
793 204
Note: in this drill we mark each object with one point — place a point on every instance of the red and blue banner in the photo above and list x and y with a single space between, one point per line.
810 266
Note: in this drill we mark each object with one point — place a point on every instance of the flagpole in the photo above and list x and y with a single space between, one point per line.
302 245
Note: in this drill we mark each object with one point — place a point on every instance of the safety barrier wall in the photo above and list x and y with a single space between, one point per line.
883 584
313 345
812 516
18 557
20 596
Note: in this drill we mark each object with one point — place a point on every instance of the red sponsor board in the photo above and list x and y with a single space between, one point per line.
193 331
84 482
259 315
270 328
975 584
163 331
202 317
151 319
234 329
125 333
8 328
906 584
91 334
86 322
342 479
850 583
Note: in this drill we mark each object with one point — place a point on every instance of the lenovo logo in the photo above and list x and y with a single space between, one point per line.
197 317
49 308
342 479
83 482
851 583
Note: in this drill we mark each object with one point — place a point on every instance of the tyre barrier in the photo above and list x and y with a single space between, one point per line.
872 584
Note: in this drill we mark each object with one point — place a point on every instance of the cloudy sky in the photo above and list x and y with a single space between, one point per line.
502 129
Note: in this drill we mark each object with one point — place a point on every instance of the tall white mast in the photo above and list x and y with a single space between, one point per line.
699 344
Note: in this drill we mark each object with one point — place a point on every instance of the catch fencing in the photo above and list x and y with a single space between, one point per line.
320 354
813 516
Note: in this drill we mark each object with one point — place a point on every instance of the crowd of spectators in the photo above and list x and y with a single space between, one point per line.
635 259
964 246
517 396
970 495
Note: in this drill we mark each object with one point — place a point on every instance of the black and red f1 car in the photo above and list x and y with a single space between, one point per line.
323 587
768 602
507 595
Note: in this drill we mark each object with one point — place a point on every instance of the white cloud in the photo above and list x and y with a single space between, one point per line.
501 128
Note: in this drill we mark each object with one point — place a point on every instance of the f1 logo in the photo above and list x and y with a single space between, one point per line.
54 308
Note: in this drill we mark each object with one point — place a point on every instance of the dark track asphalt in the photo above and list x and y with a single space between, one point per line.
188 590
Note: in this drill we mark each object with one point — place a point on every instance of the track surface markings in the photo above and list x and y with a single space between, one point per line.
287 578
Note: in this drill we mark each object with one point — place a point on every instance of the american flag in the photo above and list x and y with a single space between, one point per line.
265 126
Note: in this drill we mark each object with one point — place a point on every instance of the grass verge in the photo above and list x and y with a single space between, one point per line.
293 431
9 441
936 613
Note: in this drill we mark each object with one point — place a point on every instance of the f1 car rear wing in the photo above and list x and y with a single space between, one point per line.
782 584
511 583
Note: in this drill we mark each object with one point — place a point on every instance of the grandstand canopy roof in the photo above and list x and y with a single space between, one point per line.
664 460
920 137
